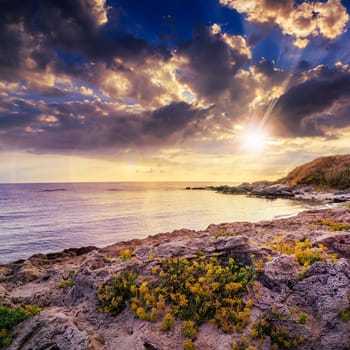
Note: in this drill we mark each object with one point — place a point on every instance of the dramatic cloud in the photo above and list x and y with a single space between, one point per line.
62 36
91 125
213 60
96 77
308 109
300 21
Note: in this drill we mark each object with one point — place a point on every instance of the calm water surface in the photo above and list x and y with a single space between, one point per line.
50 217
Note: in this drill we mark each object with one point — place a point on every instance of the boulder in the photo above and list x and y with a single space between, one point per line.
339 242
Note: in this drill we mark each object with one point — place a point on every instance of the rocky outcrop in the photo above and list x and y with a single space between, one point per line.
325 179
327 172
302 301
274 190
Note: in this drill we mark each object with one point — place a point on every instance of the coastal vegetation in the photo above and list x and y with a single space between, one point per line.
66 283
271 326
345 314
194 291
304 252
332 172
219 290
10 317
125 254
332 226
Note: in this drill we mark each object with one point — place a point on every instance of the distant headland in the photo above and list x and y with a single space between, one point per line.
325 179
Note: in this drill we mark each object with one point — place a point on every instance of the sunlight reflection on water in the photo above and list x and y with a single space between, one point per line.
49 217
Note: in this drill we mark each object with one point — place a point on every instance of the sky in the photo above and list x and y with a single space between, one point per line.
180 90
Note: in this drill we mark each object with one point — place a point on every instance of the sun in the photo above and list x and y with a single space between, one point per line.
253 139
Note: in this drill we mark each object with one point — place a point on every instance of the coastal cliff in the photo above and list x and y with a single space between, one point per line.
281 284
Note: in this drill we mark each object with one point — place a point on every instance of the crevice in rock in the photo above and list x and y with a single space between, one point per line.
149 346
268 283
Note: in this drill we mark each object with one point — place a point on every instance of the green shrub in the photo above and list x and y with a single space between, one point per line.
11 317
113 298
194 291
329 178
188 345
281 337
168 322
303 251
66 283
189 329
302 318
333 226
125 254
344 314
242 345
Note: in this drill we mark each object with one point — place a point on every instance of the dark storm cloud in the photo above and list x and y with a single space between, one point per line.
272 75
338 118
169 119
46 91
45 31
302 110
16 113
212 62
303 65
80 127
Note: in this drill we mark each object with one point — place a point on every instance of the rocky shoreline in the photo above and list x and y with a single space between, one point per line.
299 299
267 189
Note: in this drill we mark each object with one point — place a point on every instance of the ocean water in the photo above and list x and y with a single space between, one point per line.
42 218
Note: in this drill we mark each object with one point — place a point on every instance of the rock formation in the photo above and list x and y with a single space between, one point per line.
325 179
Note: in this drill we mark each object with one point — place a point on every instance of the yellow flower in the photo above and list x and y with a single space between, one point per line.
249 303
201 279
155 270
233 287
140 312
188 329
188 345
143 288
133 289
183 300
195 288
161 302
168 322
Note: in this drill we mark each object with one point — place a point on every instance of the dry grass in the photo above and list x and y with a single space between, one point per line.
325 172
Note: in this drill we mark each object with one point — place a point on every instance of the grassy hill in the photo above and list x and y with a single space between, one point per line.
331 172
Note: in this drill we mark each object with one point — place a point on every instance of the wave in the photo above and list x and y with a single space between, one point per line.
53 190
11 217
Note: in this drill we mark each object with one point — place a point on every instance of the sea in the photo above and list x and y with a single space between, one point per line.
49 217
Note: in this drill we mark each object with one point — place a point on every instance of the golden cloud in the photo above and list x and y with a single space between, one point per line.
302 21
236 42
99 10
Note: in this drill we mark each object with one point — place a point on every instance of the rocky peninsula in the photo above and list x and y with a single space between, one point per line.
281 284
325 180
